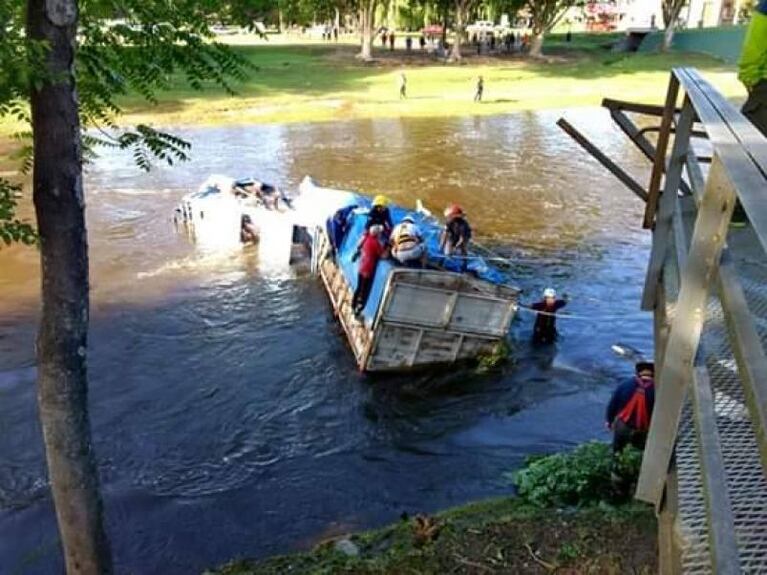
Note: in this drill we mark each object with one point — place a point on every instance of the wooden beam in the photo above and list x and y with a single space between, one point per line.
623 106
637 136
668 200
725 558
659 163
675 373
599 156
746 174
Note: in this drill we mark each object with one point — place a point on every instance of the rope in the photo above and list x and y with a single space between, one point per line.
528 309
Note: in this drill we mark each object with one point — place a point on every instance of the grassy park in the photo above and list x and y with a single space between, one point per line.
308 82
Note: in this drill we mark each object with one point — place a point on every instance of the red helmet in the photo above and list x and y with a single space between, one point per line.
453 211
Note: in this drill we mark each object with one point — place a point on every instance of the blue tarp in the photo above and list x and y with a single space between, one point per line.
430 228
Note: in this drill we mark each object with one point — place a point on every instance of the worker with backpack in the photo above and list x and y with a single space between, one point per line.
630 408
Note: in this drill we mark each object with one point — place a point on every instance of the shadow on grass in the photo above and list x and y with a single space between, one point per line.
315 71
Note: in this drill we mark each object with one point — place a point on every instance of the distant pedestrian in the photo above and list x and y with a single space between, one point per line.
335 33
509 42
480 89
383 39
422 42
408 43
391 40
492 43
402 86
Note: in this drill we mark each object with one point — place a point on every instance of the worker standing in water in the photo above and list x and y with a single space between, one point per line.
752 68
545 329
630 409
370 251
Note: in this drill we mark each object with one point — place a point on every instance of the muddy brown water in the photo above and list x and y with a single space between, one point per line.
228 416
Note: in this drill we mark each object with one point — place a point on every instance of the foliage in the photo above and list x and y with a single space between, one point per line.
145 51
11 229
588 475
544 14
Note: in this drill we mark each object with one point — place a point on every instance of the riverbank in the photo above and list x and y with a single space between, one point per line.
495 536
325 82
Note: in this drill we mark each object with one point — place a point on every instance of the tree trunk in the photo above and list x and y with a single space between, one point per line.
367 13
62 384
460 31
536 45
668 36
280 20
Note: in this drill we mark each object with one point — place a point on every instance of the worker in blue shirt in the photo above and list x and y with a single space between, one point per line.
630 409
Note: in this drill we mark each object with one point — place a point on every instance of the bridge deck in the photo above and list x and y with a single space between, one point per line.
705 462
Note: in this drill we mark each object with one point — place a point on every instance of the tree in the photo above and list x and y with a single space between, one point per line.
66 90
671 10
367 12
544 15
462 10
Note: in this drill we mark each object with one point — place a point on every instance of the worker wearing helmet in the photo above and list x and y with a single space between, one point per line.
407 243
379 215
753 68
456 235
545 329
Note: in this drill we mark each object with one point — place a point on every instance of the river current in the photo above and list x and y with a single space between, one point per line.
228 416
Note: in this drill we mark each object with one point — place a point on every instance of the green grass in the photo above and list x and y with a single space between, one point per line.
324 82
500 535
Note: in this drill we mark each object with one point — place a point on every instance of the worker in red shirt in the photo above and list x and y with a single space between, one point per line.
369 252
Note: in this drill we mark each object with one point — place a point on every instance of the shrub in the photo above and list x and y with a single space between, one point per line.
589 475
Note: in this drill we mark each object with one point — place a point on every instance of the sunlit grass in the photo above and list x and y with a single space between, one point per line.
324 82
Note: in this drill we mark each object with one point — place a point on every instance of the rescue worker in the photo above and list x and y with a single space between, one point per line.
407 244
630 409
338 225
455 237
248 232
545 329
379 215
371 250
753 68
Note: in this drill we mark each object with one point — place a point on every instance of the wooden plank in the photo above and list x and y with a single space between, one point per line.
637 136
745 175
706 247
695 175
659 162
646 109
752 140
725 558
599 156
668 554
668 200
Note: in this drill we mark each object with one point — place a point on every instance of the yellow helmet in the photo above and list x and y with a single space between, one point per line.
381 200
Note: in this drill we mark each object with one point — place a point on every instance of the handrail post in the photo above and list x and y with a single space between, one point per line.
659 165
661 235
676 372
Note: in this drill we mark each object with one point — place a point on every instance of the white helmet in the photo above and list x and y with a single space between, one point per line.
549 292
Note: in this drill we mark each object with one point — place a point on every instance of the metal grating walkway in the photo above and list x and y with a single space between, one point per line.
746 483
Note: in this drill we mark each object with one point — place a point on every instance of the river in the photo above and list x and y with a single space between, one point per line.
228 416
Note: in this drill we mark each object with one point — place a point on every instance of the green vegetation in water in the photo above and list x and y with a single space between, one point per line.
489 361
508 535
